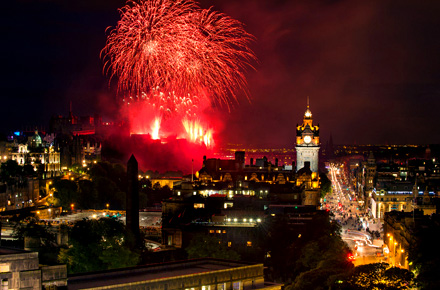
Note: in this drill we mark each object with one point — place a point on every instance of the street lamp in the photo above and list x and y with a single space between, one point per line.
107 205
72 206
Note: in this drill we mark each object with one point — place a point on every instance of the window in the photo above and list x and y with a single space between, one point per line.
224 231
249 244
236 285
228 204
221 286
5 284
211 231
218 231
4 268
199 205
229 244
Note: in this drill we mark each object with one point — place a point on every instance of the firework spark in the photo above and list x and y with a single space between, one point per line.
197 132
178 47
178 59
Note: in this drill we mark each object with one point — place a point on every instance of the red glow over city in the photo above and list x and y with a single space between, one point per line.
187 120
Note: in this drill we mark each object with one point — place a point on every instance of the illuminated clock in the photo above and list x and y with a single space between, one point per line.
307 139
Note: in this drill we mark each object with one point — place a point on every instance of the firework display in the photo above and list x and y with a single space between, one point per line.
178 59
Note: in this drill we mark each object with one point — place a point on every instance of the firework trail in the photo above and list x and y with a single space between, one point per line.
177 56
178 47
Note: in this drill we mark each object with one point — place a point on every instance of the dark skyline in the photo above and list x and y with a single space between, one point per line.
371 69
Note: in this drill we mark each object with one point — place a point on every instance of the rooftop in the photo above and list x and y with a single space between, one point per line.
10 251
151 272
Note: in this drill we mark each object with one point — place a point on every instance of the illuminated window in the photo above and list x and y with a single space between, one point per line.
228 204
249 244
236 285
229 244
224 231
211 231
199 205
218 231
4 268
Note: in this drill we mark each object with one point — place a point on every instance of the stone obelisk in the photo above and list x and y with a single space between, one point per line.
132 201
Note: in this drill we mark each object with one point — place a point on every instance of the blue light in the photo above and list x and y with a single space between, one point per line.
17 133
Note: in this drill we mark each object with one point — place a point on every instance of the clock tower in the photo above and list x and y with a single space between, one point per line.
307 142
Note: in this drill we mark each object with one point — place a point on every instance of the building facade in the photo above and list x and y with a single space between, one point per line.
21 270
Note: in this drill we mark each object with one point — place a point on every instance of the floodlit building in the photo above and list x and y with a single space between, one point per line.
402 196
307 142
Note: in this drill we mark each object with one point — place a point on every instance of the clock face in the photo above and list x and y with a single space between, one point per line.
307 139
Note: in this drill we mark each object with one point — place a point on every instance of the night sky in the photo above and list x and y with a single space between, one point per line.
370 68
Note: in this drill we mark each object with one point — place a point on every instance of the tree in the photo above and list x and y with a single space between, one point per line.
326 185
312 249
97 245
47 242
377 276
203 246
66 191
11 171
87 195
109 192
424 253
316 279
110 181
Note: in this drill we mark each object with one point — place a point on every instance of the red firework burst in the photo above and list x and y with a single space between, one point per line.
177 48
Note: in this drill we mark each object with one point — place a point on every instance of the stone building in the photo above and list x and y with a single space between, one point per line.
402 196
21 270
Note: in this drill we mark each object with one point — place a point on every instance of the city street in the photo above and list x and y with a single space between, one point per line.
361 232
146 219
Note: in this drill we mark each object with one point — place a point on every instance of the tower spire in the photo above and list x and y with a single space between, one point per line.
308 114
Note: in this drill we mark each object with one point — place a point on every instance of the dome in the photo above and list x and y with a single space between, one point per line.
36 139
